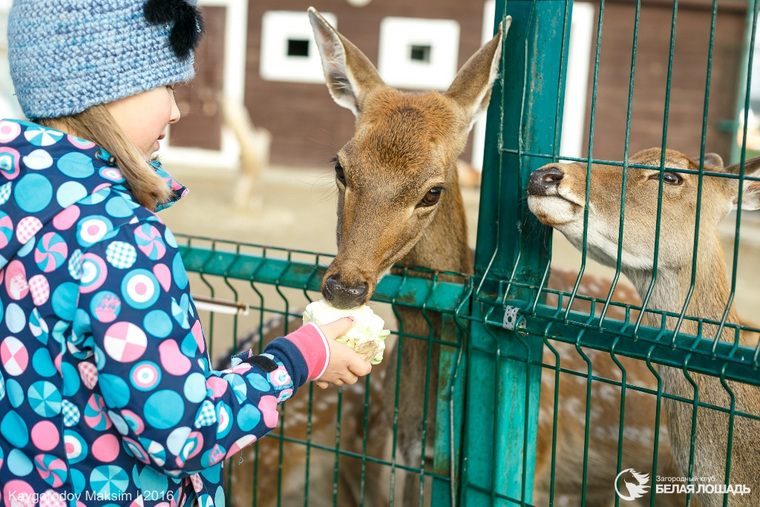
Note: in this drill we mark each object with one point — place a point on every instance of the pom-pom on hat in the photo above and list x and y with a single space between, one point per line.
68 55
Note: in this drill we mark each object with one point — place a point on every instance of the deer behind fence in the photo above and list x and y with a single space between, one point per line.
670 249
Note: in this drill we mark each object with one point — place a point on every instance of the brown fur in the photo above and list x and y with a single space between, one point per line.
404 145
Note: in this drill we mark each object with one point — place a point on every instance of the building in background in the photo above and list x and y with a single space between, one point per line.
278 75
422 44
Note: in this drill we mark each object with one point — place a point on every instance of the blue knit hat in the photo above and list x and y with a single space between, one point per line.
68 55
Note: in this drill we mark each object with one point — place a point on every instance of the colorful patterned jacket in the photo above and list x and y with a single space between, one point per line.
106 393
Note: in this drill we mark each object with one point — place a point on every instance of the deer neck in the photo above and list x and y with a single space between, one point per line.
444 244
707 299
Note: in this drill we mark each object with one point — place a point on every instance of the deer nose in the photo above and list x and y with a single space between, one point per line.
545 181
343 296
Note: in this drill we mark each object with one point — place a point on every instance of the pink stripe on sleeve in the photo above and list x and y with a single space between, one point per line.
312 344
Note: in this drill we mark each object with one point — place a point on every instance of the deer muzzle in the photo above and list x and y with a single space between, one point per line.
342 295
545 181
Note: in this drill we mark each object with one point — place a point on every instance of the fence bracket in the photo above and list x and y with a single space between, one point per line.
510 318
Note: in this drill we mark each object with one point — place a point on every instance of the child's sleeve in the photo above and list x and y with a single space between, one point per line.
304 352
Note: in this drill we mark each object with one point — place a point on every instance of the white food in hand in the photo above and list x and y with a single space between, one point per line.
367 337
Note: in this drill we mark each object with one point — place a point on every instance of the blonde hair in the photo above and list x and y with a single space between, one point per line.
97 125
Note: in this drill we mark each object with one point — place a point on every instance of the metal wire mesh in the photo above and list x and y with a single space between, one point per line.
563 368
319 454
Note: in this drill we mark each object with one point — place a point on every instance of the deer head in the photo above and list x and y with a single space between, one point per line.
396 178
670 196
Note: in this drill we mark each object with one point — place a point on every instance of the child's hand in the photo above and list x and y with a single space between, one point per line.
346 366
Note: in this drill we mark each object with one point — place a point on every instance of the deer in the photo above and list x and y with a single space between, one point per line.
690 279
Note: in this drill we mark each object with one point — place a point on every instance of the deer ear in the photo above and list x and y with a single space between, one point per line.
751 195
713 160
348 72
751 190
471 87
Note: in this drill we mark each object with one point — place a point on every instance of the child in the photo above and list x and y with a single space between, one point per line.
106 393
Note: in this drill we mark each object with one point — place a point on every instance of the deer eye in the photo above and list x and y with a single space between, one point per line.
672 178
339 174
431 198
668 177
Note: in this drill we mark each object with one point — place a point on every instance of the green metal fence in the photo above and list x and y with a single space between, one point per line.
241 287
507 336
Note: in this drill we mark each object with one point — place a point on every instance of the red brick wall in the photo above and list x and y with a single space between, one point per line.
201 115
688 82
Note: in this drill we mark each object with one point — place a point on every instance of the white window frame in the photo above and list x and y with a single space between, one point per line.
479 129
397 35
277 28
233 87
576 83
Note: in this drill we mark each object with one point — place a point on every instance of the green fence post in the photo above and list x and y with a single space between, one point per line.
504 374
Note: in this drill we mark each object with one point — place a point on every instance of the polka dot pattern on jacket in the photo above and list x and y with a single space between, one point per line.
106 394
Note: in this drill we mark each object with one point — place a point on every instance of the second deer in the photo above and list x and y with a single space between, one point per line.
673 276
